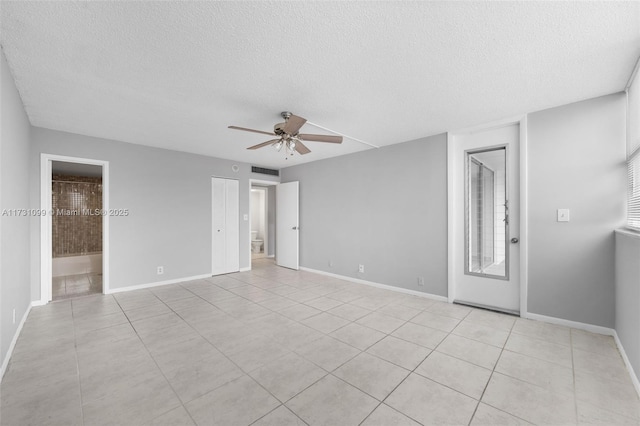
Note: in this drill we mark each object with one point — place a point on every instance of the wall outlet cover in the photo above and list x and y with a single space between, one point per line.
361 269
563 215
160 270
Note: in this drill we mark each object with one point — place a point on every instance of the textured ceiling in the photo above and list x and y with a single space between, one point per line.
176 74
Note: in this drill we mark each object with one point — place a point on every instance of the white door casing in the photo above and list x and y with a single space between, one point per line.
500 294
287 216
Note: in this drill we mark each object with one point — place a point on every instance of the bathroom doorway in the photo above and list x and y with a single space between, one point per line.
91 258
262 222
76 229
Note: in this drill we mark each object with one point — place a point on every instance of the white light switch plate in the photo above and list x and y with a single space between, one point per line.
563 215
246 217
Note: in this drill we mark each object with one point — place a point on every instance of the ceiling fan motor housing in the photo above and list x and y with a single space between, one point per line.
278 129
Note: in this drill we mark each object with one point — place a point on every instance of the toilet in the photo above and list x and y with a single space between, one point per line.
256 244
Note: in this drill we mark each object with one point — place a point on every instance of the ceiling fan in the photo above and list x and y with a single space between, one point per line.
288 136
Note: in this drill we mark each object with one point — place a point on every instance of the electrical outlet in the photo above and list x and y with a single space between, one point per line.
160 270
361 269
14 315
421 281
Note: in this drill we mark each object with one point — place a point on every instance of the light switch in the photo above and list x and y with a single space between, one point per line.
246 217
563 215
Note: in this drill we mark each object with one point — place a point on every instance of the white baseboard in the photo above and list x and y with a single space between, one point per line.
245 269
378 285
5 362
156 284
572 324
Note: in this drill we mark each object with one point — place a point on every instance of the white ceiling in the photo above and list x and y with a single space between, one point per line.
176 74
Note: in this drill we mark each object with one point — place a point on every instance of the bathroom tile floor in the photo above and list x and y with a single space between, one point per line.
76 285
280 347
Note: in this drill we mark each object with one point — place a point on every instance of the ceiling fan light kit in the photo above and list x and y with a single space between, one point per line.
289 136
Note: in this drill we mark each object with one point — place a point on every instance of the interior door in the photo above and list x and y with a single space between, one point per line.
486 228
225 242
287 238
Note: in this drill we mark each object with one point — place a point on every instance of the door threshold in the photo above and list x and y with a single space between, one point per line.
488 308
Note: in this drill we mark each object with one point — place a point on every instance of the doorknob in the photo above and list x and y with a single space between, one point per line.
295 228
514 240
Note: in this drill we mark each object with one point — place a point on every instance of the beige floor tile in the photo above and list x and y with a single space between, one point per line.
299 312
608 394
192 380
372 375
136 404
281 416
481 333
400 352
488 416
178 350
383 323
472 351
420 335
543 331
387 416
535 348
529 402
431 403
328 353
399 311
591 415
459 375
449 310
358 336
608 367
596 343
349 312
491 319
331 401
323 303
240 402
176 417
287 376
439 322
542 373
325 322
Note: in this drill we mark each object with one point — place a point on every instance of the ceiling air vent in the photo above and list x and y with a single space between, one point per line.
264 171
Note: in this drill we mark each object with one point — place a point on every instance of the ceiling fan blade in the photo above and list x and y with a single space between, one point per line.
321 138
293 124
252 130
301 148
260 145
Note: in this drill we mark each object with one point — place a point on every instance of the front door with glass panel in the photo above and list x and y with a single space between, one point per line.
486 218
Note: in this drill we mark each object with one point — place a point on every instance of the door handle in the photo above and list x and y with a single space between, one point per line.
295 228
515 240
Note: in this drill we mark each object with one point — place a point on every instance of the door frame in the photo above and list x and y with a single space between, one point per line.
521 120
260 183
46 228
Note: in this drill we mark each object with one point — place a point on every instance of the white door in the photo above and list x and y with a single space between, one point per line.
225 203
485 212
287 225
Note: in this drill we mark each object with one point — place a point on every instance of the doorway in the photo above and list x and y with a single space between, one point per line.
485 240
76 203
260 234
74 261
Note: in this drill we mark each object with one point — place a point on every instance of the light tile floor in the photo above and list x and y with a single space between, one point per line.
76 285
280 347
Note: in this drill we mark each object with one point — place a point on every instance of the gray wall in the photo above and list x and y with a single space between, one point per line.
384 208
576 161
168 194
14 194
628 295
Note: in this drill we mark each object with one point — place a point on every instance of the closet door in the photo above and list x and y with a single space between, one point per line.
225 251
